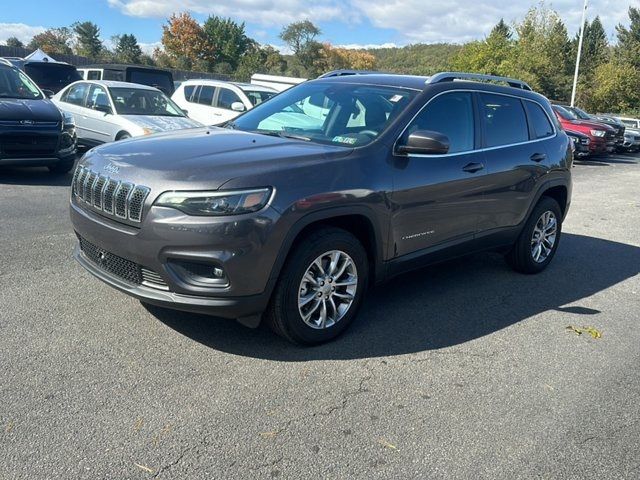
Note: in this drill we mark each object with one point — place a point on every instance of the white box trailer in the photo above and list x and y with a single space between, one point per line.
276 82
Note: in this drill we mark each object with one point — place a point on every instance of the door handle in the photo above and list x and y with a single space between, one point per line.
538 157
473 167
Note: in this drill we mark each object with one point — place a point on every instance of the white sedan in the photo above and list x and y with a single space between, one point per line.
106 111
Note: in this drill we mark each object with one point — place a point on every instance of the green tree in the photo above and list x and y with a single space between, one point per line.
616 88
301 38
501 29
260 59
88 41
14 42
126 49
628 47
595 47
52 41
227 39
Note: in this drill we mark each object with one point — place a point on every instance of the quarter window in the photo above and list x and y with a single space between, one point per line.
539 120
188 92
452 115
504 120
76 94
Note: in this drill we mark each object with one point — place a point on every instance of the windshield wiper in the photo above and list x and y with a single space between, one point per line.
283 134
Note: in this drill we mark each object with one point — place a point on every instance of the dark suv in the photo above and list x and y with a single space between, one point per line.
33 132
293 209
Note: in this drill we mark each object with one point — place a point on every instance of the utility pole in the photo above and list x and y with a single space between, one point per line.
575 75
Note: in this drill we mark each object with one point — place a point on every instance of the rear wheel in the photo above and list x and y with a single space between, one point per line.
538 241
123 136
320 288
61 167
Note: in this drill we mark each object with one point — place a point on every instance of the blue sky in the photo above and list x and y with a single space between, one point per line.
343 22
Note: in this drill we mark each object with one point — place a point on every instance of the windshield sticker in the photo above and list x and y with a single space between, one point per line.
347 140
395 98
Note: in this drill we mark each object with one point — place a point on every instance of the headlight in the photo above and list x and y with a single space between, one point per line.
68 120
575 139
598 133
217 202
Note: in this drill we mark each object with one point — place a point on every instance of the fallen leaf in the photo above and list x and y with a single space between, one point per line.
386 444
9 427
268 434
595 333
144 467
138 425
549 387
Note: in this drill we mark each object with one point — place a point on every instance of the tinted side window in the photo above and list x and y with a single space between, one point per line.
76 94
93 75
206 95
452 115
226 97
97 97
188 92
504 120
539 120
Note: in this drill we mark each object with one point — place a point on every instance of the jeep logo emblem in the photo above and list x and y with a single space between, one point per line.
111 168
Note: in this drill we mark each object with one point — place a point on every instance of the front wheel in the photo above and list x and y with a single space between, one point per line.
320 288
538 241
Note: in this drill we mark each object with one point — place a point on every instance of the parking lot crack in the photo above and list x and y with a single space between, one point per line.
180 456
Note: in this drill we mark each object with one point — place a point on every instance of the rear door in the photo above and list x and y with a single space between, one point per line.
437 197
74 101
515 157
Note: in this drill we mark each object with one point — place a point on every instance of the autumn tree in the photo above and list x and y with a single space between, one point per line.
52 41
333 58
260 59
87 42
185 42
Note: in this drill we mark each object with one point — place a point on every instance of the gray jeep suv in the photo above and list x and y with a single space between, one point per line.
293 209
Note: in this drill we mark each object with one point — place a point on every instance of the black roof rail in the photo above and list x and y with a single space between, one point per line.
344 72
451 76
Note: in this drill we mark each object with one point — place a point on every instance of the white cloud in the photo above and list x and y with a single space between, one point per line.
263 12
23 32
412 20
148 48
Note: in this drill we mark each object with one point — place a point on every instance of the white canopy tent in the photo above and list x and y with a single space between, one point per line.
40 56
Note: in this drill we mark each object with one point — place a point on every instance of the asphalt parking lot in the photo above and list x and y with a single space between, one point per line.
464 370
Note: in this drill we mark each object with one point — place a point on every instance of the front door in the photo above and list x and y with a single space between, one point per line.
437 198
97 120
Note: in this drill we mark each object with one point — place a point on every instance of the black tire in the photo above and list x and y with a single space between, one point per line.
283 315
62 167
521 258
123 136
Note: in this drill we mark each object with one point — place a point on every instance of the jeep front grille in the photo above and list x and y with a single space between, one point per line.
109 197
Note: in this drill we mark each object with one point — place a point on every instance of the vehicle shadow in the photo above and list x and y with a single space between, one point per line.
440 306
36 176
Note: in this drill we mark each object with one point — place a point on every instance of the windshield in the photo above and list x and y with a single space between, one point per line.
565 113
52 76
324 112
256 97
138 101
581 113
15 84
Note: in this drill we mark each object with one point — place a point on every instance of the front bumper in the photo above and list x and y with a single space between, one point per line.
244 247
225 307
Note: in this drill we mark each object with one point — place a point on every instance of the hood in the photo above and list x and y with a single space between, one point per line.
202 158
591 124
159 123
25 109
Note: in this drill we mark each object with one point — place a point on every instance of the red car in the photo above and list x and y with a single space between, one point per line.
601 136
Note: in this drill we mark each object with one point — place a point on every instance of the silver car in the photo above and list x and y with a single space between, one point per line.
105 111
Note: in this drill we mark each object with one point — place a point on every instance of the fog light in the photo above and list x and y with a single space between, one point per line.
199 274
